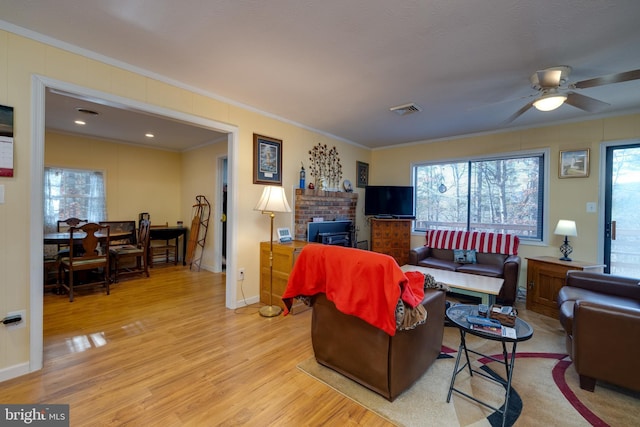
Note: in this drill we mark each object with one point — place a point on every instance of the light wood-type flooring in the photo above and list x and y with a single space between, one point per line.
164 351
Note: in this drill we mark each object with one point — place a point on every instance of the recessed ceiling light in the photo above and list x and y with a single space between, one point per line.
149 135
80 122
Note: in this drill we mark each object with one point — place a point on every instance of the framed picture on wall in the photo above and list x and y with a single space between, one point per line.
574 164
362 172
6 141
267 160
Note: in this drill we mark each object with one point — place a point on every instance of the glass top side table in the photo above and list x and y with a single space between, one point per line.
457 314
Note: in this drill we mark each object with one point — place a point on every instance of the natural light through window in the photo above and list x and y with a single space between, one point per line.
498 194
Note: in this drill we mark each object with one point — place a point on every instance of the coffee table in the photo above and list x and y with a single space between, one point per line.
486 288
457 314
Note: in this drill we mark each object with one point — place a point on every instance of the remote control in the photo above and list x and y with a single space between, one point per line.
483 321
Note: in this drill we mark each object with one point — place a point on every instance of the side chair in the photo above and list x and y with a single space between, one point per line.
123 256
64 225
166 249
93 258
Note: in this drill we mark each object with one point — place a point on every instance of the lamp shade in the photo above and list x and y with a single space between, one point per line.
566 227
273 199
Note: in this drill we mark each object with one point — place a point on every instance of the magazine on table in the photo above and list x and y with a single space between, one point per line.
503 331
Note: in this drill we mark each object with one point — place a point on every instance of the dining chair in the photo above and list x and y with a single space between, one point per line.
126 226
64 225
123 256
168 249
93 259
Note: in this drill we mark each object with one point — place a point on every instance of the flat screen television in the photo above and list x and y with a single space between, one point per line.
384 201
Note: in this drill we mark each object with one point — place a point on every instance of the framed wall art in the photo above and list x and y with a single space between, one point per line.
267 160
6 141
574 164
362 173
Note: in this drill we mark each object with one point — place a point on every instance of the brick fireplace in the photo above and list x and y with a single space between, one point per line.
329 205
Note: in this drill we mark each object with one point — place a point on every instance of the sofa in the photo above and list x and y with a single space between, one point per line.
600 314
358 298
473 252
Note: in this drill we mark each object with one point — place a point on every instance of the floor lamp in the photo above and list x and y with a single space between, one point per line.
272 200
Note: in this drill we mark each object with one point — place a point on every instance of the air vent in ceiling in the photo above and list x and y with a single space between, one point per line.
403 110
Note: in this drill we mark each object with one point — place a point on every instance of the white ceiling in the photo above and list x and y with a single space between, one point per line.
337 66
121 123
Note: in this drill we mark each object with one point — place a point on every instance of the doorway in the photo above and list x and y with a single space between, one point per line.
221 215
39 86
621 207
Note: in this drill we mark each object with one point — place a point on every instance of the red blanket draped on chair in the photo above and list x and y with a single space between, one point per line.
360 283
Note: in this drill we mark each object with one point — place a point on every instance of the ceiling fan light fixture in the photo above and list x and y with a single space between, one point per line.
549 102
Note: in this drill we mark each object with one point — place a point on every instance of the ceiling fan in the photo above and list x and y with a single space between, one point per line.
553 90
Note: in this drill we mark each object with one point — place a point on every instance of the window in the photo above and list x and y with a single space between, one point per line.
498 194
73 193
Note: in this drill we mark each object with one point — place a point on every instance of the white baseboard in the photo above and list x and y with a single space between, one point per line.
14 371
249 301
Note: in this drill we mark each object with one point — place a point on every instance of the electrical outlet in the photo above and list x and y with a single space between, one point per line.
241 274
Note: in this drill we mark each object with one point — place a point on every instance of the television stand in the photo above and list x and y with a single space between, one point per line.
383 217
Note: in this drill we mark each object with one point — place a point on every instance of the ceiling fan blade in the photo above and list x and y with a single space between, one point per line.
503 101
605 80
518 113
586 103
549 78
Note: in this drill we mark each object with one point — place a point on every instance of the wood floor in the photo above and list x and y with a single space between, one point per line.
165 351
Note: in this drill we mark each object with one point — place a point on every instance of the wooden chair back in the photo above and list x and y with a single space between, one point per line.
93 255
90 243
65 224
137 252
144 235
163 248
126 226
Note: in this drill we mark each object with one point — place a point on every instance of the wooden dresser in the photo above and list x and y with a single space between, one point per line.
284 256
545 276
392 237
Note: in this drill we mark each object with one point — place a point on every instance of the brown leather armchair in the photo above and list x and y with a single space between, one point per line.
385 364
600 314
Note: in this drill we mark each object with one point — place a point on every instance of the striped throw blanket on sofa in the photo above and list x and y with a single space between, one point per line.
480 241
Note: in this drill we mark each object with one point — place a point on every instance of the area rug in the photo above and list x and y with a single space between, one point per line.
545 392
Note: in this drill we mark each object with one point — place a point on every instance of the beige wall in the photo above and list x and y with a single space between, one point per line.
200 177
137 179
22 58
567 197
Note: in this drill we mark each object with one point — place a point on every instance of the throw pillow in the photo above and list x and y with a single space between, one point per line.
464 256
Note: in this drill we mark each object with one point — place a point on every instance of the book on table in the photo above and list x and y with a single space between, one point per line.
502 331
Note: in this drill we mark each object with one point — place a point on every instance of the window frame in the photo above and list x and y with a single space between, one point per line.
544 152
50 227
